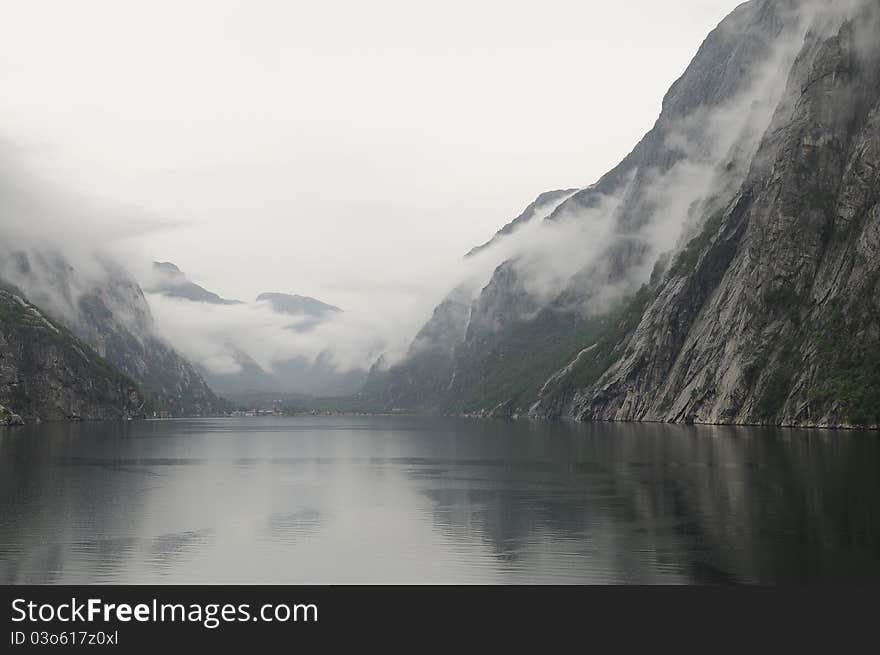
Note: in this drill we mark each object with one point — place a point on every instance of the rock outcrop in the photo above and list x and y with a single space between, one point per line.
8 418
544 205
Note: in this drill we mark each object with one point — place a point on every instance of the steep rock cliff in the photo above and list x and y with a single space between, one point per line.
47 374
772 315
726 271
106 309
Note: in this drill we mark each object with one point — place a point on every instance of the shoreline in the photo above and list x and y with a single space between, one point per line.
562 419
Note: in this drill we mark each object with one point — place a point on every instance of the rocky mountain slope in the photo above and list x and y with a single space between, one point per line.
47 374
9 418
106 309
772 315
725 272
426 380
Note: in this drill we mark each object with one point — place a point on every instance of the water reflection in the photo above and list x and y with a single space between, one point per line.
399 499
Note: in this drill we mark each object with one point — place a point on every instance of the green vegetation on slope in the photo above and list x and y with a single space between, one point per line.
849 366
517 363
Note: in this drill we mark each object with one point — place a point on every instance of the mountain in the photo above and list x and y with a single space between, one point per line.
298 375
170 281
47 374
284 303
105 308
725 272
294 375
772 314
426 378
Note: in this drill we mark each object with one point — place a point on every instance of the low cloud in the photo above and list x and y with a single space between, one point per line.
221 337
656 210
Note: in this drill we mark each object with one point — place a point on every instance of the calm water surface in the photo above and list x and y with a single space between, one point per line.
401 499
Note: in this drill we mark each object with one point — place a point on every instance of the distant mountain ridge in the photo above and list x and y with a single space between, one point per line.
295 305
295 375
170 281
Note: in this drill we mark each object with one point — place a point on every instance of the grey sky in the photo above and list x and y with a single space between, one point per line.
337 147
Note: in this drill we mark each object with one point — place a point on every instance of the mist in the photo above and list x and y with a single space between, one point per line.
658 211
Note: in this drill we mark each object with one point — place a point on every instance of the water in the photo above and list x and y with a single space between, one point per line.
406 500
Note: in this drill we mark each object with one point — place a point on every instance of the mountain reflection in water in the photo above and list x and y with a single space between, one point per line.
405 499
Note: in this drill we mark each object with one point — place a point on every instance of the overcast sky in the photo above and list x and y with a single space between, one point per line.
331 147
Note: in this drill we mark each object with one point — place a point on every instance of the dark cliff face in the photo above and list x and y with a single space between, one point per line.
47 374
763 169
8 417
107 310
